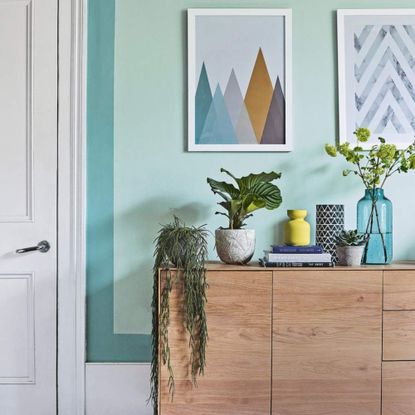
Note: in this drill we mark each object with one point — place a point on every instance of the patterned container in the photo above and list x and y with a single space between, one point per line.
330 222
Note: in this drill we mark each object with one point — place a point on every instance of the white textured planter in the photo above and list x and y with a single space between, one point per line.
235 246
350 256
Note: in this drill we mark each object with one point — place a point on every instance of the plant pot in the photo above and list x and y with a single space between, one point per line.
235 246
350 256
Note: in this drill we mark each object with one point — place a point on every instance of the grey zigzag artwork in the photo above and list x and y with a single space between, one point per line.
384 74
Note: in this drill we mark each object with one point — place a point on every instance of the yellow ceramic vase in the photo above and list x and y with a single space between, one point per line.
297 230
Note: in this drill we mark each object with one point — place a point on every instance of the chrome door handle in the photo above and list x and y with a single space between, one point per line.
42 246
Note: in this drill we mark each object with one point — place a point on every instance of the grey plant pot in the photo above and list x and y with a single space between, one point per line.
350 256
235 246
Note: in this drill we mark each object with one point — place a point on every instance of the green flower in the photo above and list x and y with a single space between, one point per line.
387 153
345 149
362 134
331 150
411 160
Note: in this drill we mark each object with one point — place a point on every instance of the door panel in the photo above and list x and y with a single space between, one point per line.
17 354
16 74
399 335
399 290
398 388
28 169
237 378
327 342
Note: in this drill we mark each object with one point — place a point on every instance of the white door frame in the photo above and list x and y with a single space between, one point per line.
72 25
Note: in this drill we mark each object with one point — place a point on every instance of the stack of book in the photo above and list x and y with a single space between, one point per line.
296 256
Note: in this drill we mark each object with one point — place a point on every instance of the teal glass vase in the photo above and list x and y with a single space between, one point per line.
375 218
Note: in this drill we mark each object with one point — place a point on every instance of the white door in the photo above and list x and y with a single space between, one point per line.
28 196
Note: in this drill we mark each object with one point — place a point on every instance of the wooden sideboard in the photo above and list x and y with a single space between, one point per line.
305 341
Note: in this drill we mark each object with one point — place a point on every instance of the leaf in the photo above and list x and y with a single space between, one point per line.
222 170
247 182
255 204
223 187
225 205
382 140
268 193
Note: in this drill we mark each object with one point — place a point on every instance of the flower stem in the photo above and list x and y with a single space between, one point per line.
385 254
369 228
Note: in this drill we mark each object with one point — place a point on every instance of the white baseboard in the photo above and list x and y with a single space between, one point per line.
117 389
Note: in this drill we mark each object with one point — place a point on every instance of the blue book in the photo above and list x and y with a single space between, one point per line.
286 249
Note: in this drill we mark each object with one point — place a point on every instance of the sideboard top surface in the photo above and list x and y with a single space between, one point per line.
254 266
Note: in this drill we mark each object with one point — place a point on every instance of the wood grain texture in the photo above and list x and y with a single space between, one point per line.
398 388
327 342
399 335
237 379
399 290
254 266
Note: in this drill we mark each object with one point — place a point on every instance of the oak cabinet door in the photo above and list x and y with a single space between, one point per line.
399 335
399 290
327 342
398 388
237 378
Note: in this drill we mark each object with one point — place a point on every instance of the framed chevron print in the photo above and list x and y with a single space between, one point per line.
376 52
239 80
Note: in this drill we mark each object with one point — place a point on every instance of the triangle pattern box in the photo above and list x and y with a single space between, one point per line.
329 224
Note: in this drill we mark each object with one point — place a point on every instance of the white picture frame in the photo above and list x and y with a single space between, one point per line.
287 145
375 83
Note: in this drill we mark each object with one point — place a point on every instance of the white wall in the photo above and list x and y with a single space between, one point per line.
117 389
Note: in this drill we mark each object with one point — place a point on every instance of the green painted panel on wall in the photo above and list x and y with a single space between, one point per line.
103 344
137 117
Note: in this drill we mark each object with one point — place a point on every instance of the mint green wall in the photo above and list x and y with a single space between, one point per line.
137 117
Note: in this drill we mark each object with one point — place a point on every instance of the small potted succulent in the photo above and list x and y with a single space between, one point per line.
350 246
234 244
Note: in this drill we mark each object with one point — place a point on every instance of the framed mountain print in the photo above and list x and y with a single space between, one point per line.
239 80
376 50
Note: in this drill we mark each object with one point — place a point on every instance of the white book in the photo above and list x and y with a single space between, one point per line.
271 257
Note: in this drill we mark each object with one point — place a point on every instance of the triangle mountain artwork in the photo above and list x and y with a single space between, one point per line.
202 103
258 96
230 118
274 130
233 98
218 128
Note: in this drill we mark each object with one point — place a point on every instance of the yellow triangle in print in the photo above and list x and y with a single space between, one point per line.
258 95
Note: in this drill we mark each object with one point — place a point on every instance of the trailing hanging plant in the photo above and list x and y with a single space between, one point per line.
181 252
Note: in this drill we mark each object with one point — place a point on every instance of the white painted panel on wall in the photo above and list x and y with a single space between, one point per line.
17 329
117 389
15 110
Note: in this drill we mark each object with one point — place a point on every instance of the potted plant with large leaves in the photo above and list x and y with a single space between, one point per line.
181 252
234 244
